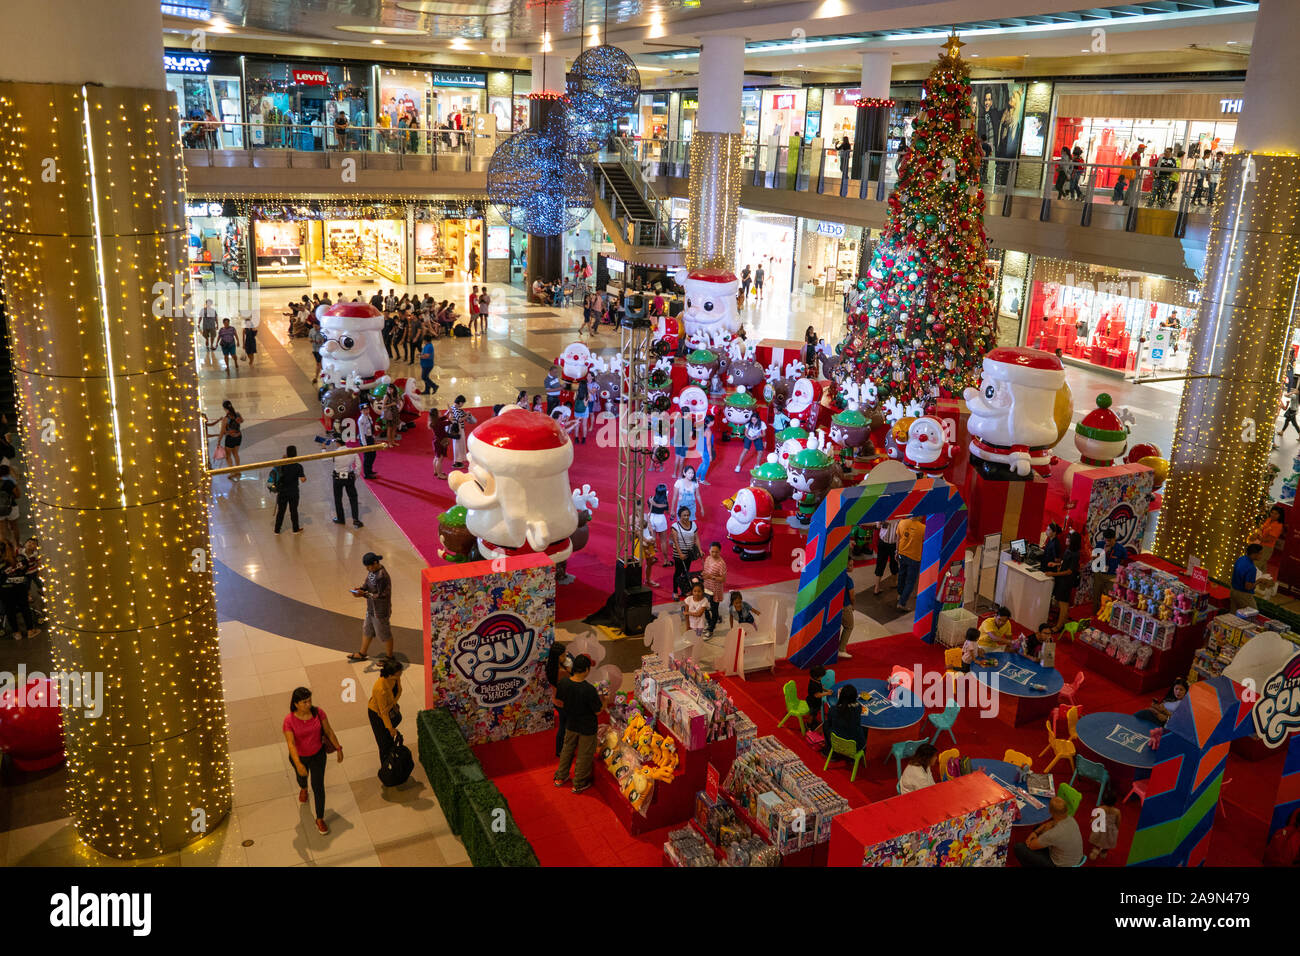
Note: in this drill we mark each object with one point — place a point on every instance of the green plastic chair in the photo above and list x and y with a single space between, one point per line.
794 706
944 721
845 748
1071 797
901 751
1072 627
1082 860
1091 770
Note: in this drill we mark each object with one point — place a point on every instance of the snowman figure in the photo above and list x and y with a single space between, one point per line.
575 362
516 490
711 314
353 354
1013 421
927 450
749 525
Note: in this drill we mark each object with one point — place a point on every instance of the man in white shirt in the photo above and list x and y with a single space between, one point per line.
345 481
366 432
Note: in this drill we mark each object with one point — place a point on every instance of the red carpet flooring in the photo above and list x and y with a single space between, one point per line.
414 498
568 830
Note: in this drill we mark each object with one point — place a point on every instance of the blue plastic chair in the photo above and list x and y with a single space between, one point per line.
1091 770
901 751
944 721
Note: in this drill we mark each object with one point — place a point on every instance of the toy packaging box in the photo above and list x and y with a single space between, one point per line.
1116 498
487 633
965 821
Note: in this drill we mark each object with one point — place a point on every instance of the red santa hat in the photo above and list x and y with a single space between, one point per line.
712 275
361 315
521 442
1025 366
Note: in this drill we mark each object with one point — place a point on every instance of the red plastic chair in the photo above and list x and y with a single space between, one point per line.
900 676
1140 788
1069 690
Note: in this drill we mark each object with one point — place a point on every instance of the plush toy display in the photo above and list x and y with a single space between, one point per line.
353 355
1014 413
749 526
710 314
516 489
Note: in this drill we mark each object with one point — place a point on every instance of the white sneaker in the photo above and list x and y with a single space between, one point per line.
737 469
845 655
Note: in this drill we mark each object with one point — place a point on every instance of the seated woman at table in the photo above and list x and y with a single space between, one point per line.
919 772
995 632
845 718
815 695
1161 710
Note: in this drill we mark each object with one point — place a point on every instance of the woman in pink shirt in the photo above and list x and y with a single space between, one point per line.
310 738
714 574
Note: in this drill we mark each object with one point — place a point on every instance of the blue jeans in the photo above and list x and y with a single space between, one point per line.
706 458
909 572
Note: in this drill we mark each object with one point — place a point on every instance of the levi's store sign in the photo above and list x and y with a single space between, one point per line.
311 77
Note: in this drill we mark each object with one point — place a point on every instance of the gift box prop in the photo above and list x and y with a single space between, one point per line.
1177 817
965 821
488 627
1013 509
815 631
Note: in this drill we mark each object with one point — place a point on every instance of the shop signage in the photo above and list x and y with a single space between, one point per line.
1277 711
311 77
794 81
833 229
494 657
203 209
690 104
1201 579
783 101
1230 106
186 64
460 79
711 783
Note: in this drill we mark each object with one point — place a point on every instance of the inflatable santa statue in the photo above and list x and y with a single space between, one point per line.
353 355
711 315
749 526
516 491
1014 413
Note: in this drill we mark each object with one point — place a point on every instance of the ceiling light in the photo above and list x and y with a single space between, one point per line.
218 25
458 43
377 42
381 31
657 25
1231 42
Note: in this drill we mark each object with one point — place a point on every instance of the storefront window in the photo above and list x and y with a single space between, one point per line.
282 95
767 240
751 108
652 116
279 253
457 96
218 246
364 249
523 86
203 84
829 253
1110 318
690 103
443 246
783 114
838 120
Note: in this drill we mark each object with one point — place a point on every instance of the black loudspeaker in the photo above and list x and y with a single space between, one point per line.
628 608
636 610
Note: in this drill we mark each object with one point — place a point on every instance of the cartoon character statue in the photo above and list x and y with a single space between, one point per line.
739 408
711 309
803 405
575 362
1013 413
693 401
926 449
456 543
749 526
896 438
790 441
516 490
608 382
743 368
771 477
850 435
353 355
1101 439
810 474
667 336
339 405
701 366
585 502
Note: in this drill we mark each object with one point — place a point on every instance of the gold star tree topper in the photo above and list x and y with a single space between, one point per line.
951 56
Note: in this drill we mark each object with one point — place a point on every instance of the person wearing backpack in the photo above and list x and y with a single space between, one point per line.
284 480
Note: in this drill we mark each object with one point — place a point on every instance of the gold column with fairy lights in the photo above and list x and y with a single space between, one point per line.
93 252
714 190
1223 438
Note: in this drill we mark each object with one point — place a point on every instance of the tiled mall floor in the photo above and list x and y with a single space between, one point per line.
287 618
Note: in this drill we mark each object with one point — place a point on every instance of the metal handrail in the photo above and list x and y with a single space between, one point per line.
654 202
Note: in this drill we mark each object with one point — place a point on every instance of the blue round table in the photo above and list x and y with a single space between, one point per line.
1018 702
1118 742
1010 773
888 723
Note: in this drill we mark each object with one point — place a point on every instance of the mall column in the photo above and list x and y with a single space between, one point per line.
93 256
872 120
545 253
1223 438
714 183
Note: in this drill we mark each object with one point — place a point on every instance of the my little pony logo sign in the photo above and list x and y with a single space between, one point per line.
1277 712
1123 521
487 656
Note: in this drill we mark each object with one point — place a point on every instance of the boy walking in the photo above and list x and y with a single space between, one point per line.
580 703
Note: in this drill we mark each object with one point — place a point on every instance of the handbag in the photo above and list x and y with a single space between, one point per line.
325 743
395 715
219 453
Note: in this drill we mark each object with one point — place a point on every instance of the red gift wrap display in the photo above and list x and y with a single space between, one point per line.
787 350
1013 509
955 416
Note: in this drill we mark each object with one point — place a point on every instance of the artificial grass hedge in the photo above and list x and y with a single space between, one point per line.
470 801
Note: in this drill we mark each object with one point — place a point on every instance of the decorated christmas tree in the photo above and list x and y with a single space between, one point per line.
924 317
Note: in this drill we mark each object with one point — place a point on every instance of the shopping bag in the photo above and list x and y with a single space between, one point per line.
219 453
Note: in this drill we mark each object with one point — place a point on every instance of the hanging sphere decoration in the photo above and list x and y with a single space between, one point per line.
604 83
537 186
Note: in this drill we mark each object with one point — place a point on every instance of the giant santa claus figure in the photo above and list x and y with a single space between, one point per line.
516 491
711 315
1014 414
353 355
